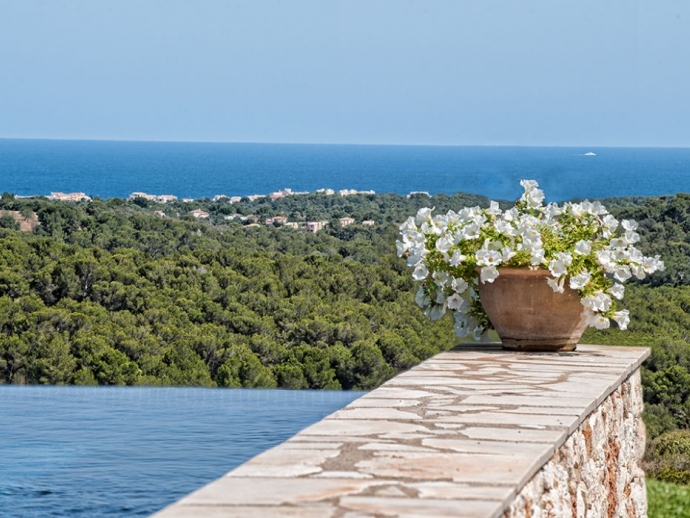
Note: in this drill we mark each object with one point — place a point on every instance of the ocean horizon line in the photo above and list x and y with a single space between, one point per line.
343 144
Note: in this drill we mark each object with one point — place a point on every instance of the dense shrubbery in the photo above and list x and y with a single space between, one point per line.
668 457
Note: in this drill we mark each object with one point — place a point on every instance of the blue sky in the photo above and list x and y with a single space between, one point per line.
459 72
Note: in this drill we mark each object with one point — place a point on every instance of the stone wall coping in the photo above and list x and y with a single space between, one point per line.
458 435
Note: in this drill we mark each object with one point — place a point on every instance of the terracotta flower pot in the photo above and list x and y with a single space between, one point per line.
528 315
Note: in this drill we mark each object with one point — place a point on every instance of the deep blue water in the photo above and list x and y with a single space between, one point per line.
116 169
102 451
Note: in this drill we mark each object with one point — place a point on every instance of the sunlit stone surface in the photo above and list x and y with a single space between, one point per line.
473 432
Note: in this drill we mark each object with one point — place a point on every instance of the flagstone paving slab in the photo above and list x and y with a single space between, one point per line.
459 435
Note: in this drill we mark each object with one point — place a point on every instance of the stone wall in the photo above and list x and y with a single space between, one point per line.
473 432
597 470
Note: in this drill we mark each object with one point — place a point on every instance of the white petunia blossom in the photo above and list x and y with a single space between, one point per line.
533 196
435 312
409 224
441 278
455 301
583 247
471 231
622 273
504 227
415 258
558 268
488 257
459 285
599 302
489 274
494 209
617 290
628 224
462 324
456 259
443 244
537 257
622 318
420 272
423 216
598 321
579 281
652 264
555 284
421 298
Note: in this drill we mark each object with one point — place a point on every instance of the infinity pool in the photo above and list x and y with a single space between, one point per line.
105 451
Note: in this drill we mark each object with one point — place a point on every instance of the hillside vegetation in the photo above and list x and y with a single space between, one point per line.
136 292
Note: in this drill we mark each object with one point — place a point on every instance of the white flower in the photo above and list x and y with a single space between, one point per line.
488 274
435 312
471 231
617 290
511 214
408 224
638 271
415 258
494 209
622 273
598 209
455 301
505 228
488 257
528 185
533 196
576 209
598 302
421 298
631 237
423 216
477 333
555 284
456 259
557 268
461 325
441 278
551 212
610 222
537 257
459 285
420 272
443 244
622 318
652 264
579 281
598 321
583 247
507 254
629 224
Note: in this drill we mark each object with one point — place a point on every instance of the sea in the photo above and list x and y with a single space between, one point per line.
110 169
91 452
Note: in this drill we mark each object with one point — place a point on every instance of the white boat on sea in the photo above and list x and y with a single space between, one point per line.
590 153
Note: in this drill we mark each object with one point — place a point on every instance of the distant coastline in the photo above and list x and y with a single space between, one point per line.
115 169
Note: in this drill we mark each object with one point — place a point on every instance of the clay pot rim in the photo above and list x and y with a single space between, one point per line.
535 271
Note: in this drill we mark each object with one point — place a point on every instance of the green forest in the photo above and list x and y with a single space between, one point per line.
119 292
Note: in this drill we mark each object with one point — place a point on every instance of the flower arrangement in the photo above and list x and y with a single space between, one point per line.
580 244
